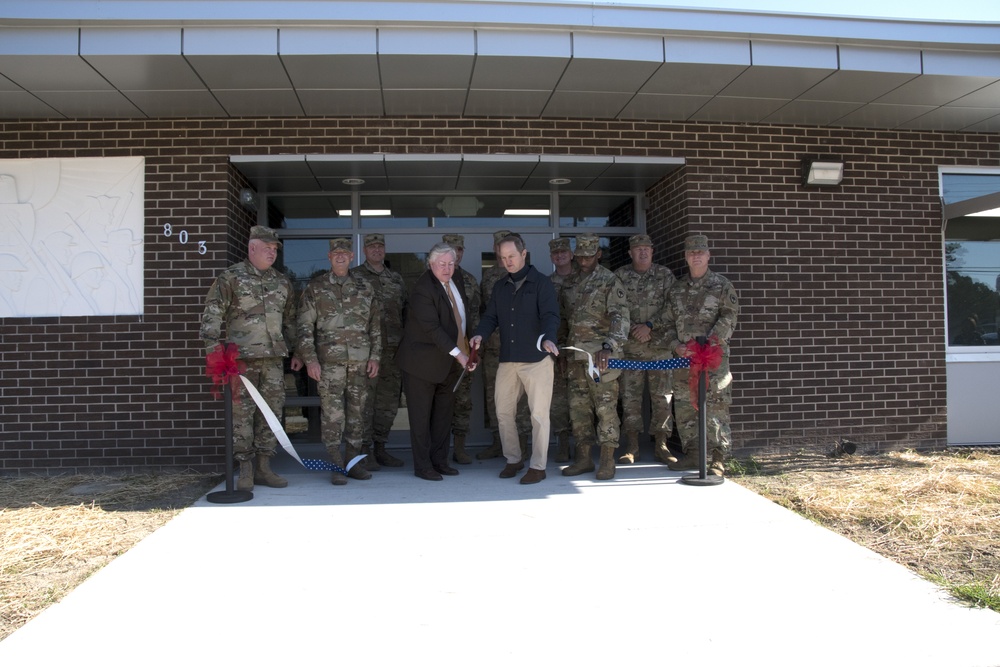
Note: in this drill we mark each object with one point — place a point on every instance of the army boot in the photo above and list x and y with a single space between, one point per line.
264 475
493 451
359 471
337 478
687 461
607 464
562 450
369 462
459 454
717 466
661 452
385 458
582 464
245 482
631 454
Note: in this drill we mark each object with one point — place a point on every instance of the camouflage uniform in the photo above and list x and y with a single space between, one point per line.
462 407
596 313
340 326
257 309
559 411
703 307
385 390
647 294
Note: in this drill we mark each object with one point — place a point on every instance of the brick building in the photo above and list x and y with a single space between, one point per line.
606 119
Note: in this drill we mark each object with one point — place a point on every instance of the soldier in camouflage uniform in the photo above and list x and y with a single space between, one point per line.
646 285
340 342
490 361
255 303
562 257
597 317
384 390
703 303
462 407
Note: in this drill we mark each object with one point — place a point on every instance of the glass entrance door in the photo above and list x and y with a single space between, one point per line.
406 253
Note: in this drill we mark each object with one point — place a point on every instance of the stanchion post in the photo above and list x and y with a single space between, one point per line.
230 495
702 478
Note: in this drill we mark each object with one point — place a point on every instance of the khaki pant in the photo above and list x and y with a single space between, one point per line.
533 380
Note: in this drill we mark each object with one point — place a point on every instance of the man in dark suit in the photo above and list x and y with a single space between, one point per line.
431 356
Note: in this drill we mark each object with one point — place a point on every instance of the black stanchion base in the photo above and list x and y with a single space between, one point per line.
698 480
229 497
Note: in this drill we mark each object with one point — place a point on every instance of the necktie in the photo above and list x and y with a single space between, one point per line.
462 343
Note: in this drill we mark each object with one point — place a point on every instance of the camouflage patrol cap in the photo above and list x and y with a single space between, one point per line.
696 242
587 245
559 244
454 240
340 243
374 239
266 234
498 236
639 239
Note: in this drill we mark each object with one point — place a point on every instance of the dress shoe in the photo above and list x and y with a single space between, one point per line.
431 475
510 470
533 476
445 469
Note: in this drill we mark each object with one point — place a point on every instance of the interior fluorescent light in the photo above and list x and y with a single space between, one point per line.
366 212
526 211
992 213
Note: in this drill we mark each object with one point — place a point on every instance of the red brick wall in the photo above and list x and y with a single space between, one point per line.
842 326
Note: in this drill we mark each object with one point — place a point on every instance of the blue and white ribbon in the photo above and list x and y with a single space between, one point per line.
657 365
279 433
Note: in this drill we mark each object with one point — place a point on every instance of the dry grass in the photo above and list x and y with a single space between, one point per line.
57 531
936 513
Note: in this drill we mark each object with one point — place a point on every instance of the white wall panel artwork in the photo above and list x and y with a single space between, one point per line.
71 233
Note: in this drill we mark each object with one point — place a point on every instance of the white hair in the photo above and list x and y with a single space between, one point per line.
441 249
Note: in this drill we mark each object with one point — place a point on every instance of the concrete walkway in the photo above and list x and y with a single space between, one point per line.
475 570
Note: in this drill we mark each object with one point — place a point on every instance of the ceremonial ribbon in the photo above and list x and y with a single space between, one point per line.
704 358
223 365
657 365
591 368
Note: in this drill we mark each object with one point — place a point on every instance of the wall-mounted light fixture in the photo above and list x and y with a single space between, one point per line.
248 199
822 171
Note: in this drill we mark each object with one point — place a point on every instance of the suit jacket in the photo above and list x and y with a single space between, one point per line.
430 332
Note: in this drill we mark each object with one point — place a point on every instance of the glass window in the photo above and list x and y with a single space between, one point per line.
616 210
312 212
491 211
303 259
959 187
972 257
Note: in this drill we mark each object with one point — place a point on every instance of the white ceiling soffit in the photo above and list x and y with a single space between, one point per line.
408 172
132 59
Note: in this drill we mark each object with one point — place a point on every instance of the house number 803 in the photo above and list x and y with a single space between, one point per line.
182 237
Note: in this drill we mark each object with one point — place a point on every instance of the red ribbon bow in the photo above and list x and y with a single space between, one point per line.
223 365
704 358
